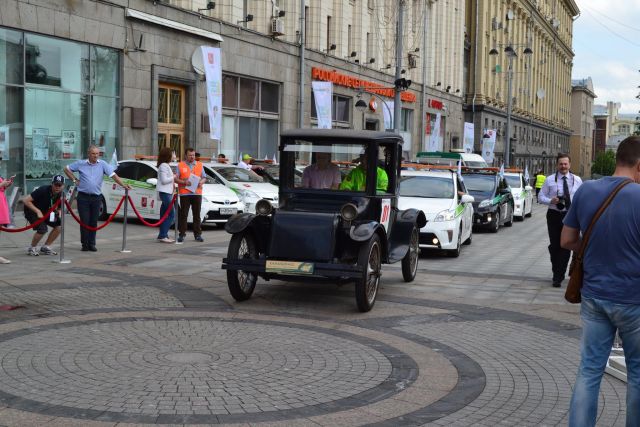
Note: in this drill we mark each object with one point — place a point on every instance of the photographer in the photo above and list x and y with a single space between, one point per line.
557 191
36 205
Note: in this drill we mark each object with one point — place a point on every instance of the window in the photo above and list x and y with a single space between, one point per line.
340 109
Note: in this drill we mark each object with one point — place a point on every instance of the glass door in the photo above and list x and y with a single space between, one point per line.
171 117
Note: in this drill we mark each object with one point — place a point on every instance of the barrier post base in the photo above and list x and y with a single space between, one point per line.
61 261
124 251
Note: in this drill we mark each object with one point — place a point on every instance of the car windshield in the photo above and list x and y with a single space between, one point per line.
513 181
481 184
426 186
233 174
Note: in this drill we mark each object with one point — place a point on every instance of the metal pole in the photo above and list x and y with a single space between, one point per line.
507 143
63 213
397 106
423 101
175 219
124 224
302 65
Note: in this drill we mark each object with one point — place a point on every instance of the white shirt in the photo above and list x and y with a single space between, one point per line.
552 187
165 179
243 165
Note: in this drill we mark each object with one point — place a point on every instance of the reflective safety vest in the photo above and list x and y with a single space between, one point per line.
185 172
356 180
540 180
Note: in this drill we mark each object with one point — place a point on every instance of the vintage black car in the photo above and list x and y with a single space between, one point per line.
493 205
328 228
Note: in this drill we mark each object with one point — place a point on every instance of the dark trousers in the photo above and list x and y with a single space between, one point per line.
559 256
195 204
89 211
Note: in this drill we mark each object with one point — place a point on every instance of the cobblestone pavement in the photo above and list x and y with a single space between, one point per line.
153 337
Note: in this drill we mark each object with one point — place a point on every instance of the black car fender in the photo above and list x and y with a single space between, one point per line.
399 240
257 225
239 222
363 231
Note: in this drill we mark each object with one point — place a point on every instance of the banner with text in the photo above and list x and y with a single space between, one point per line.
434 138
387 114
213 73
488 145
323 93
468 137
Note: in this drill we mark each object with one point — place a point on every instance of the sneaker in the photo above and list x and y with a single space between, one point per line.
181 238
166 240
33 251
3 260
46 250
199 239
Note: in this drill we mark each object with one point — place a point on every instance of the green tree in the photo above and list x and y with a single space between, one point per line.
604 164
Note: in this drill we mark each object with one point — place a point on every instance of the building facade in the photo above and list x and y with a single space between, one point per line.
582 126
125 75
525 45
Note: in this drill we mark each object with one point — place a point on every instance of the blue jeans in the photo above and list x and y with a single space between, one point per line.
88 211
164 227
600 319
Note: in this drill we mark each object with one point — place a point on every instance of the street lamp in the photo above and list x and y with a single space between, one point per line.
362 106
511 54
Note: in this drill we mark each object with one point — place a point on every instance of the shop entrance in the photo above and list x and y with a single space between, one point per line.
171 117
371 124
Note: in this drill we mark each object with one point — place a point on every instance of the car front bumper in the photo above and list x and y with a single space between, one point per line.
484 219
320 269
439 235
213 212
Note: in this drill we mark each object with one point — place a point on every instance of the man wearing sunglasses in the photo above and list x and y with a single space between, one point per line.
36 205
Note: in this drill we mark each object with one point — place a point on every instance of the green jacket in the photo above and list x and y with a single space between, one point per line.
540 180
356 180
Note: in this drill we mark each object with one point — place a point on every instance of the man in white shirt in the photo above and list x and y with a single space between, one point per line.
557 191
245 163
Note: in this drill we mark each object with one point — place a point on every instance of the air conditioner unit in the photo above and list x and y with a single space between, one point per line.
277 27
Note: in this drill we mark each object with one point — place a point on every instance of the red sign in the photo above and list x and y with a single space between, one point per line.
432 103
356 83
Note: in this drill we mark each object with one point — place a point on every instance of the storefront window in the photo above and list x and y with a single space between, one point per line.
229 91
248 135
269 97
340 108
228 138
11 132
10 57
104 71
249 94
57 63
105 123
268 138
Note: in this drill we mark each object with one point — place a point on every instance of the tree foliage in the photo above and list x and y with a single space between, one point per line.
604 164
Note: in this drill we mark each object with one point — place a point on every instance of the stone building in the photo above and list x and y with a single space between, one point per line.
582 126
525 44
121 73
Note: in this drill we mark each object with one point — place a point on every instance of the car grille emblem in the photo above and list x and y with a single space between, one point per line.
227 202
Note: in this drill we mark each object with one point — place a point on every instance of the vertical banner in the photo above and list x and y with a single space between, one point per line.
434 139
468 137
213 73
323 94
488 145
387 114
4 142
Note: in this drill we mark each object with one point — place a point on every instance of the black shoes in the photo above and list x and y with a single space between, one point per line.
89 249
556 283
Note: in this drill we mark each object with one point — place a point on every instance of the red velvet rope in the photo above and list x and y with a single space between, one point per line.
88 227
161 220
35 224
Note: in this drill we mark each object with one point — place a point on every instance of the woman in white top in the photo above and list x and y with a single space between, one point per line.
165 187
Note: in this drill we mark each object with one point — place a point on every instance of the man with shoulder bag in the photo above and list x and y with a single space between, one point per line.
607 214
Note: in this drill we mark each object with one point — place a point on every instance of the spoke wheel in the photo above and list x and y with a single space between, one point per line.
410 260
241 283
370 259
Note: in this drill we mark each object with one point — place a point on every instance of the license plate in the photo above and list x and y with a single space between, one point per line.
228 211
289 267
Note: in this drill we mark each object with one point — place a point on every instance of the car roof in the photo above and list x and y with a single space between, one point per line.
144 162
513 173
433 174
342 134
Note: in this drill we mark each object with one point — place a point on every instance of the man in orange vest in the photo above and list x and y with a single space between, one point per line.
190 174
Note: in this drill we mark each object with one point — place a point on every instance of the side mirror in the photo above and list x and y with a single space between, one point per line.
528 188
152 181
466 198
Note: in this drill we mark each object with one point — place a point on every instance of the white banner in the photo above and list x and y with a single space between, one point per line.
434 138
468 137
213 73
387 114
488 145
323 94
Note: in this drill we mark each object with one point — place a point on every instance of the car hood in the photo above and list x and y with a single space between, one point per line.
430 207
218 191
262 189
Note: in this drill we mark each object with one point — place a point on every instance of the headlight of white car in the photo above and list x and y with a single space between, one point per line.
445 215
248 194
485 203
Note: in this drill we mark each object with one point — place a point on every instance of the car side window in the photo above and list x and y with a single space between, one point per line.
146 172
126 170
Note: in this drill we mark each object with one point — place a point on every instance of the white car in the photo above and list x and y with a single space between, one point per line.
246 184
522 195
441 195
218 202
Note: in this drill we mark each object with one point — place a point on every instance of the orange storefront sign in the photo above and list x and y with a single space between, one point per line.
356 83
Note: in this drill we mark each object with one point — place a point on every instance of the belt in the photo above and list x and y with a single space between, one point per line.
88 194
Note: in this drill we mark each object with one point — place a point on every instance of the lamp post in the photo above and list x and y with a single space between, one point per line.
511 54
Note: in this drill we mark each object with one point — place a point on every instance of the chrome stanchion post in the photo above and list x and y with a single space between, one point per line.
124 224
63 213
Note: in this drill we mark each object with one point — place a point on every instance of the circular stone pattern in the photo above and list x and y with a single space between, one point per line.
190 366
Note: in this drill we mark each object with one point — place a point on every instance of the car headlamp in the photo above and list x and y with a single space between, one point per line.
248 194
264 207
485 203
445 215
348 212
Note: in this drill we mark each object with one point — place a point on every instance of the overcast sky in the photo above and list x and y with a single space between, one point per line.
606 41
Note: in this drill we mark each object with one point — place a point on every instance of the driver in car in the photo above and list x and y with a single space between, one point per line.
356 180
322 174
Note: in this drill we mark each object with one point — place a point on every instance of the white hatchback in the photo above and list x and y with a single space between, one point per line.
218 202
522 195
442 197
246 184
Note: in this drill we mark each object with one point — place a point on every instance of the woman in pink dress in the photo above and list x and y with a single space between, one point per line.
4 208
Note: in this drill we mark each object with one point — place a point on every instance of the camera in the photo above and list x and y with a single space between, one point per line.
560 206
562 203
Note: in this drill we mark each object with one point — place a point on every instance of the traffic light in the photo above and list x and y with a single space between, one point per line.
402 84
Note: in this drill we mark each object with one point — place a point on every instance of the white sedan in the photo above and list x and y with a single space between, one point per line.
218 202
442 197
246 184
522 195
